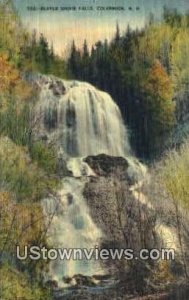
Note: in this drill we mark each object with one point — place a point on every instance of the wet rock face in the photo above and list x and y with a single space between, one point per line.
124 220
124 168
70 116
58 88
113 204
50 119
82 280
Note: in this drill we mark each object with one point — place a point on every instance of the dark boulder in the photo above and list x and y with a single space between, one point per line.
53 284
57 88
105 165
82 280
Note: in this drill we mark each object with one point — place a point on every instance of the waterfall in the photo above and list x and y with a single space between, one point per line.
81 121
72 228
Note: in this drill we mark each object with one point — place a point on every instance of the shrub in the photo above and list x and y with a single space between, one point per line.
16 285
20 175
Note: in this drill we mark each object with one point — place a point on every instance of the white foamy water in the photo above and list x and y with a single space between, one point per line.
81 121
71 228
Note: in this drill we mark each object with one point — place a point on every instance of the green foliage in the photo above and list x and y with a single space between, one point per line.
27 51
174 173
122 68
37 56
16 285
158 106
45 156
21 224
179 58
16 99
22 176
172 17
27 169
74 61
12 33
14 121
143 70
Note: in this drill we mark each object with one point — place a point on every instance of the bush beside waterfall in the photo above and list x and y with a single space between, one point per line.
28 172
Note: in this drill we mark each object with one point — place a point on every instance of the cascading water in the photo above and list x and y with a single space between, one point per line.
81 121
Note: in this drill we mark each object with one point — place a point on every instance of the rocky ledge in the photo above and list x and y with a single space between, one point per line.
125 168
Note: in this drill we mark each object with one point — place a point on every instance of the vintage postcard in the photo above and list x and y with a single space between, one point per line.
94 149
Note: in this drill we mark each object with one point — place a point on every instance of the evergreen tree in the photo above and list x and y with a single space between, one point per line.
117 35
74 62
43 54
85 62
143 74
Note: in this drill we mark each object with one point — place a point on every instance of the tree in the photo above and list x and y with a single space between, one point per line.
74 61
117 35
143 70
173 172
172 17
158 106
43 54
9 76
85 62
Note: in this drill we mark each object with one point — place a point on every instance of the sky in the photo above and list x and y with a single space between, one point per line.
98 22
